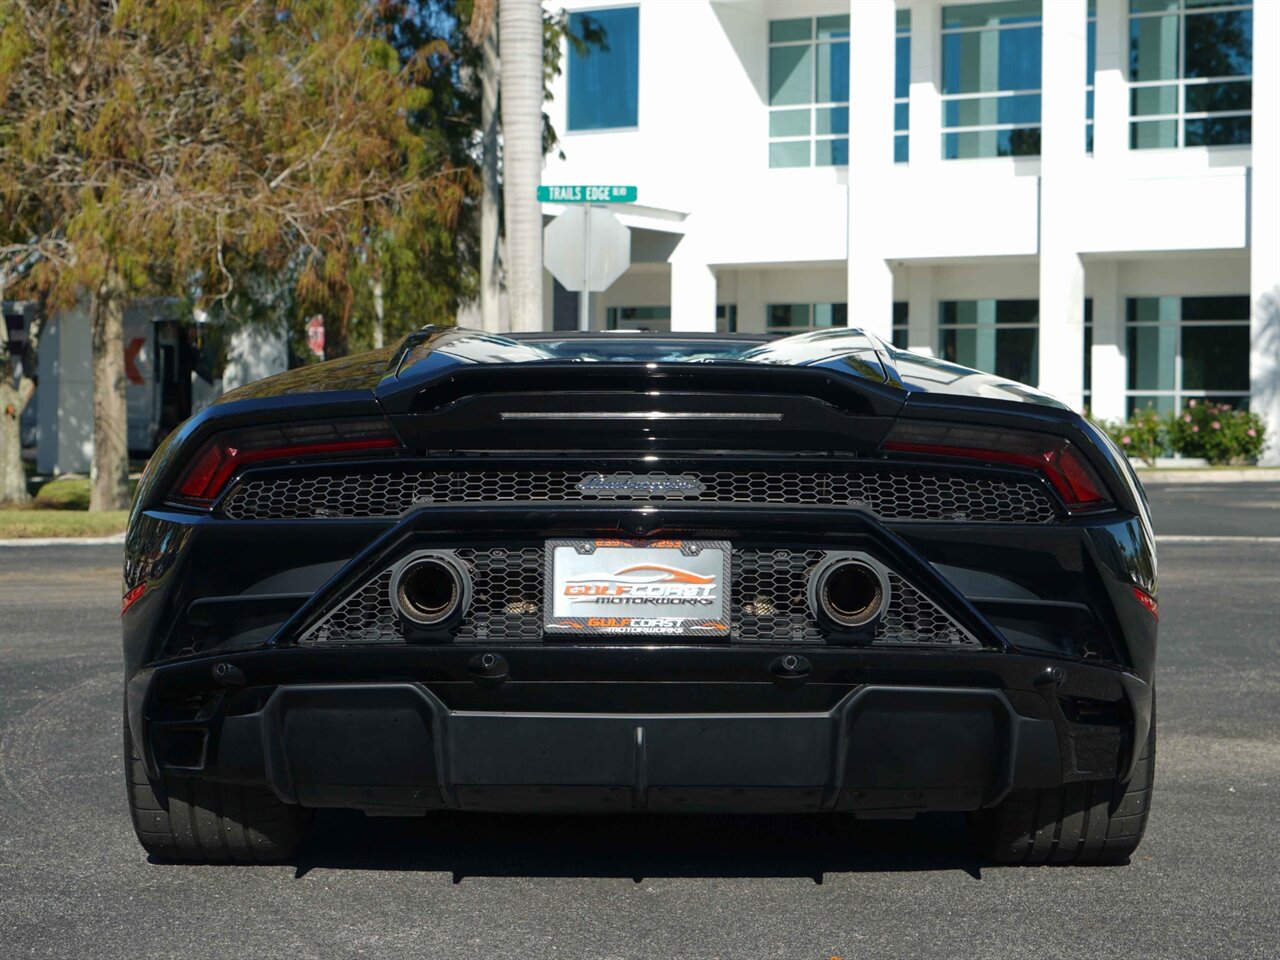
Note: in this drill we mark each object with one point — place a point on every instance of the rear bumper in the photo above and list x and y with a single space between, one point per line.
630 728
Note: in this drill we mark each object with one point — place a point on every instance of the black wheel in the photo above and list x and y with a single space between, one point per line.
1096 821
210 822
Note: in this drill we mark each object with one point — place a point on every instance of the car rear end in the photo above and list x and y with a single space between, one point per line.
660 586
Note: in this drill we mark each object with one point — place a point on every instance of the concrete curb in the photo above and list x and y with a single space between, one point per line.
63 541
1243 475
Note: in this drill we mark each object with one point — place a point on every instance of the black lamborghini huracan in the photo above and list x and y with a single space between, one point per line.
654 572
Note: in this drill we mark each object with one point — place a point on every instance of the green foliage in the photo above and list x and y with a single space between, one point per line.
1214 432
61 523
1143 437
222 151
1217 433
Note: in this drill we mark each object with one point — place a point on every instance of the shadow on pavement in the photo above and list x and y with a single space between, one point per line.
636 846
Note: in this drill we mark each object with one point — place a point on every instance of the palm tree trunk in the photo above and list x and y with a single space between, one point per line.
109 474
378 326
490 196
520 33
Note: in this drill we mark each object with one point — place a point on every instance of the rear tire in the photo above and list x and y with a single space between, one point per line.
1095 821
202 821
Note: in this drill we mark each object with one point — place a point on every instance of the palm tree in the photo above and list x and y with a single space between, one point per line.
520 36
483 32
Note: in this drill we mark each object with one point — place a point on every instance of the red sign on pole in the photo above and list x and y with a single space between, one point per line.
131 360
315 335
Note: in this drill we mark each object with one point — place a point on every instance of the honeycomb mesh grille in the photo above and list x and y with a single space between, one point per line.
506 603
892 495
768 604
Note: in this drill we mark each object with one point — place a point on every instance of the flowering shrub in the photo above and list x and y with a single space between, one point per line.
1216 432
1143 438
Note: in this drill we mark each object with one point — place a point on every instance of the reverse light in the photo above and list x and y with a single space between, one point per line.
225 454
1055 457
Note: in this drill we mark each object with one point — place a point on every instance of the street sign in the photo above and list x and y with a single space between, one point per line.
586 249
585 193
315 335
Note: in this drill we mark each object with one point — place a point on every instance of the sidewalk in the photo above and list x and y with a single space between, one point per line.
62 541
1209 475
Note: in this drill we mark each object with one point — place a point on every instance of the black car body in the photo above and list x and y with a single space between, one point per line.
925 588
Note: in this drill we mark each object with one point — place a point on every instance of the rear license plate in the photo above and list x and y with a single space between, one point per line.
665 587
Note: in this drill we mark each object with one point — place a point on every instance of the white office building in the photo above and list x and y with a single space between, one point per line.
1078 194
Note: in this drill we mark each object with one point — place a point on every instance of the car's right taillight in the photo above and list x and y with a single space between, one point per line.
1056 458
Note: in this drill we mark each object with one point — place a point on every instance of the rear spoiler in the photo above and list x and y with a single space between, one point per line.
574 406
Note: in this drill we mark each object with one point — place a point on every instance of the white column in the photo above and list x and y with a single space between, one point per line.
922 311
64 408
871 51
750 300
1061 162
1110 83
1264 226
1107 379
693 294
925 118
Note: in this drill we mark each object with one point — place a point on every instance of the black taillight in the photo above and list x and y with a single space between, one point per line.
1055 457
225 454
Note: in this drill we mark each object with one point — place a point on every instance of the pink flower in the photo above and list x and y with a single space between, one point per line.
1195 429
1216 425
1191 403
1186 418
1125 440
1252 432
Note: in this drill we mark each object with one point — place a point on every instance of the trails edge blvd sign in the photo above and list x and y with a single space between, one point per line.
585 193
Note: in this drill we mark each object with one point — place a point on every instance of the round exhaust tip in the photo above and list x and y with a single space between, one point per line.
850 592
429 590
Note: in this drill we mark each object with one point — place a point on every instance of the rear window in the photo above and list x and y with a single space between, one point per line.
608 349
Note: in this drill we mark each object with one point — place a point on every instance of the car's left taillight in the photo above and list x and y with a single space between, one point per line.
225 454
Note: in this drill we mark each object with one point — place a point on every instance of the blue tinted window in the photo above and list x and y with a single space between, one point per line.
604 81
990 79
808 90
902 86
833 73
902 67
966 61
1189 59
1091 50
1220 44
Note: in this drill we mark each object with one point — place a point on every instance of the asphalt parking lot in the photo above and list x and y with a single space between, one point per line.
73 882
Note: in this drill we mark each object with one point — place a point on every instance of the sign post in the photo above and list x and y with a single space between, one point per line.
586 248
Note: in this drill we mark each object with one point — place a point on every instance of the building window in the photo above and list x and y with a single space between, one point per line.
638 318
900 314
1088 352
1190 73
997 336
991 79
726 317
1187 348
803 317
1091 68
902 87
604 81
809 92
